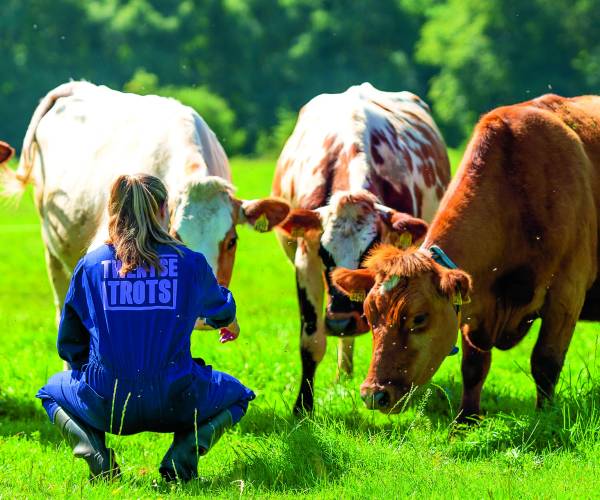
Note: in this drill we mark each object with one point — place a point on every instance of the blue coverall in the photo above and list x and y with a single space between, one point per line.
127 340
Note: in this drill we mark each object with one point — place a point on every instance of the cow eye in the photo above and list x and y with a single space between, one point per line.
419 320
232 243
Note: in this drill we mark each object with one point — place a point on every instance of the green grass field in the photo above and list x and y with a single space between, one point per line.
344 450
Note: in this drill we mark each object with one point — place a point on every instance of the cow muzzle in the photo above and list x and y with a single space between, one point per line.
387 399
379 400
342 324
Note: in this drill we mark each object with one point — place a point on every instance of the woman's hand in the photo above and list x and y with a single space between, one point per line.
201 325
230 332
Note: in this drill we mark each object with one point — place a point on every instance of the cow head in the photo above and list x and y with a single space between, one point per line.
410 306
343 232
6 152
205 215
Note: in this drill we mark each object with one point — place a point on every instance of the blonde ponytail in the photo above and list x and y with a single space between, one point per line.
134 228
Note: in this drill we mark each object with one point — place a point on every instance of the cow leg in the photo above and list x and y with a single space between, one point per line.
59 279
345 357
312 345
559 318
309 283
475 368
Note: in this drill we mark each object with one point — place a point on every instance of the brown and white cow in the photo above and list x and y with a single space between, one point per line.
521 217
361 167
82 136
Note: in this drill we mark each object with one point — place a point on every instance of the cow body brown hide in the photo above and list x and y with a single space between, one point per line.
521 217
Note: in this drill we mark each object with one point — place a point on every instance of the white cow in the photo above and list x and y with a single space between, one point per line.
82 136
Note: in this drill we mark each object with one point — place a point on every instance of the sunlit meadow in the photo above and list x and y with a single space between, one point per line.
343 450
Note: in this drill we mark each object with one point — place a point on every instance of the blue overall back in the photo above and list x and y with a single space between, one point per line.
127 340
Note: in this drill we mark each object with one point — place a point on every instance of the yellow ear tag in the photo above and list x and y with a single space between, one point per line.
358 296
405 240
262 224
297 232
457 299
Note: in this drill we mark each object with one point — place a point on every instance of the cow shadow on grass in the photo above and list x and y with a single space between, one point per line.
509 423
570 422
21 417
513 424
438 402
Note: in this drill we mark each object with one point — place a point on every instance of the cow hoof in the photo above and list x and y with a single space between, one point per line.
301 411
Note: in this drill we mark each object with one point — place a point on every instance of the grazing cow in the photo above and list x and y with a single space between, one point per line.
359 168
521 217
82 136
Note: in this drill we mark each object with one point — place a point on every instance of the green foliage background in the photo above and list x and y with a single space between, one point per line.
248 65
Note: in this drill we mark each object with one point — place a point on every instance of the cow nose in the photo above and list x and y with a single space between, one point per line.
337 325
380 399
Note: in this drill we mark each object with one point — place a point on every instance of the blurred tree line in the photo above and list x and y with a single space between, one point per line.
247 66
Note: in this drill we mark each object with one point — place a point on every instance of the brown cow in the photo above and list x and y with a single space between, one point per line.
521 217
359 168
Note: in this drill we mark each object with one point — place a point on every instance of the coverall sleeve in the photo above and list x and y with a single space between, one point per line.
73 337
215 302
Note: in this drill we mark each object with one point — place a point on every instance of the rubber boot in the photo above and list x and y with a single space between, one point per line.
89 444
181 460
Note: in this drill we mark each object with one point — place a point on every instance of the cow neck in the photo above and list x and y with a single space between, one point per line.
470 227
459 227
452 253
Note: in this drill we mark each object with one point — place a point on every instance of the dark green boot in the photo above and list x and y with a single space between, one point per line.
88 443
181 460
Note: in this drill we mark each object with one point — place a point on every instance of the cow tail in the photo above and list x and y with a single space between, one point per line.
14 182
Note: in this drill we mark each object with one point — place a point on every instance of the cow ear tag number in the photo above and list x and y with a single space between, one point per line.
358 296
262 224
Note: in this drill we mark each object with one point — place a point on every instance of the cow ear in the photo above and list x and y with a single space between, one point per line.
455 284
403 229
356 284
263 214
300 221
6 152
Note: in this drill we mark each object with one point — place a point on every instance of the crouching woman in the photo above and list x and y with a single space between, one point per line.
125 331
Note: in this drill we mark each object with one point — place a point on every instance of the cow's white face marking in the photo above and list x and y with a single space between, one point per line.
203 216
348 230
